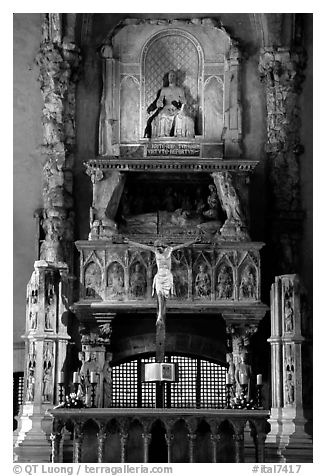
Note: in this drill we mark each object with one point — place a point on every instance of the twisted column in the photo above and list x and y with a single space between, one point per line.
101 437
55 447
123 446
281 71
58 60
78 440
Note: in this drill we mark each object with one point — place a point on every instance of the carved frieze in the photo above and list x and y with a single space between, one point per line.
119 273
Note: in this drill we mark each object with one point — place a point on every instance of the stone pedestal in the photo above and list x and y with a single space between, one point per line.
287 440
46 340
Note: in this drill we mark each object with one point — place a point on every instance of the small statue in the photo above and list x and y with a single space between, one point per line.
243 375
33 319
47 384
49 313
137 282
212 202
30 386
224 283
87 368
202 283
92 280
115 281
231 368
171 118
248 286
288 317
289 385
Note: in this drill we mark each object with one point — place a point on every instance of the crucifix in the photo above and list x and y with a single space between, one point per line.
162 286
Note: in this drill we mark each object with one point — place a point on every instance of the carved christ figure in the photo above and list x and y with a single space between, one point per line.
163 280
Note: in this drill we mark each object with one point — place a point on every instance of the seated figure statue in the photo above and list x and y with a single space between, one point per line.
171 118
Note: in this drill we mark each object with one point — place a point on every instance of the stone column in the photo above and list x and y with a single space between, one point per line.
101 437
78 441
192 439
281 71
56 443
147 439
261 437
215 439
109 115
169 438
287 419
58 60
46 334
239 442
232 104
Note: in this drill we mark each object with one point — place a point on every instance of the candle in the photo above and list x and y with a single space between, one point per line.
243 379
228 379
259 379
61 377
93 377
75 377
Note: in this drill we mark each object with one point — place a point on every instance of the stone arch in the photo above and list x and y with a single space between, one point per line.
198 346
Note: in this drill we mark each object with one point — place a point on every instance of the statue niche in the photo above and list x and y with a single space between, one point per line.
173 116
115 281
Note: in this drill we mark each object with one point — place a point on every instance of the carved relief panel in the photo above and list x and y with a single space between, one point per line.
199 274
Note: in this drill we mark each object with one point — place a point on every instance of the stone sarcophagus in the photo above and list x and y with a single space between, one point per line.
206 274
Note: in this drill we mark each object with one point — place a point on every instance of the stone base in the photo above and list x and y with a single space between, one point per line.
233 231
32 442
287 441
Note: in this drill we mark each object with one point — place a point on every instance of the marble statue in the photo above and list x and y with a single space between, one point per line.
247 285
115 281
224 286
212 201
202 283
231 368
30 386
243 374
47 384
171 118
86 369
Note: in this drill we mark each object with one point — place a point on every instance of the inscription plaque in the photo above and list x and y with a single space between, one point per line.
173 150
